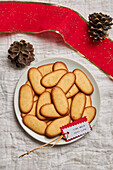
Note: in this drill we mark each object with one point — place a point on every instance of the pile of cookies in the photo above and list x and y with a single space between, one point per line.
53 97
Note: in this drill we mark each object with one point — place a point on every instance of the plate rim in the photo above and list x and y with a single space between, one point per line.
15 99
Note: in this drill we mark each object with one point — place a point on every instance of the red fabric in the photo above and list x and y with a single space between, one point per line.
33 17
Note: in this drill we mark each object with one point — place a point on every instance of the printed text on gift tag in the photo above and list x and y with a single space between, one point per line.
76 128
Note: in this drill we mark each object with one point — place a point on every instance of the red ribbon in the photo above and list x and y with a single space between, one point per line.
39 17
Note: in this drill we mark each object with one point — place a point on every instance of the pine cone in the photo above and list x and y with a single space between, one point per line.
98 26
21 53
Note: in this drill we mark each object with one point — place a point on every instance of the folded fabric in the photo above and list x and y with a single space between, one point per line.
39 17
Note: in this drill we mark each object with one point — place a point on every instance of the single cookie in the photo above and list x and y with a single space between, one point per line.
25 98
49 111
51 79
60 101
35 98
32 112
44 98
59 65
77 106
35 76
74 90
90 113
82 82
35 124
28 82
88 101
66 82
69 101
53 129
45 69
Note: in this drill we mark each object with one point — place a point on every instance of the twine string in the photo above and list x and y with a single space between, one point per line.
47 147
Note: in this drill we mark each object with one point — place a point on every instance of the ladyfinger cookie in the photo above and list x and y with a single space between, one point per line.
74 90
69 101
44 98
82 82
28 82
60 101
51 79
90 113
45 69
25 98
88 101
32 112
35 124
66 82
59 65
53 129
77 106
35 76
49 111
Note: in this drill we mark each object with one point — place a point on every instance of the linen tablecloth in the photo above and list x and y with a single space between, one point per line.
95 150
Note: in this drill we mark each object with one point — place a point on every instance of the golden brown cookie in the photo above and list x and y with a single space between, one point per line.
32 112
28 82
49 111
44 98
25 98
35 124
34 77
74 90
77 106
45 69
53 129
51 79
69 101
90 113
60 101
82 82
66 82
88 101
59 65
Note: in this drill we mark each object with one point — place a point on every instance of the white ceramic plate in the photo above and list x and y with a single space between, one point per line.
71 64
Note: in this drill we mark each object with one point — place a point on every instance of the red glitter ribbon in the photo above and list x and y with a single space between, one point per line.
31 17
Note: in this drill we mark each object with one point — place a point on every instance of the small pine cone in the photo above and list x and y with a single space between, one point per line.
98 26
21 53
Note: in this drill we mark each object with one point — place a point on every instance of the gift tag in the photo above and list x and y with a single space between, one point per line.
76 129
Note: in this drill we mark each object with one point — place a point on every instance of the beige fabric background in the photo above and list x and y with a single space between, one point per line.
95 150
